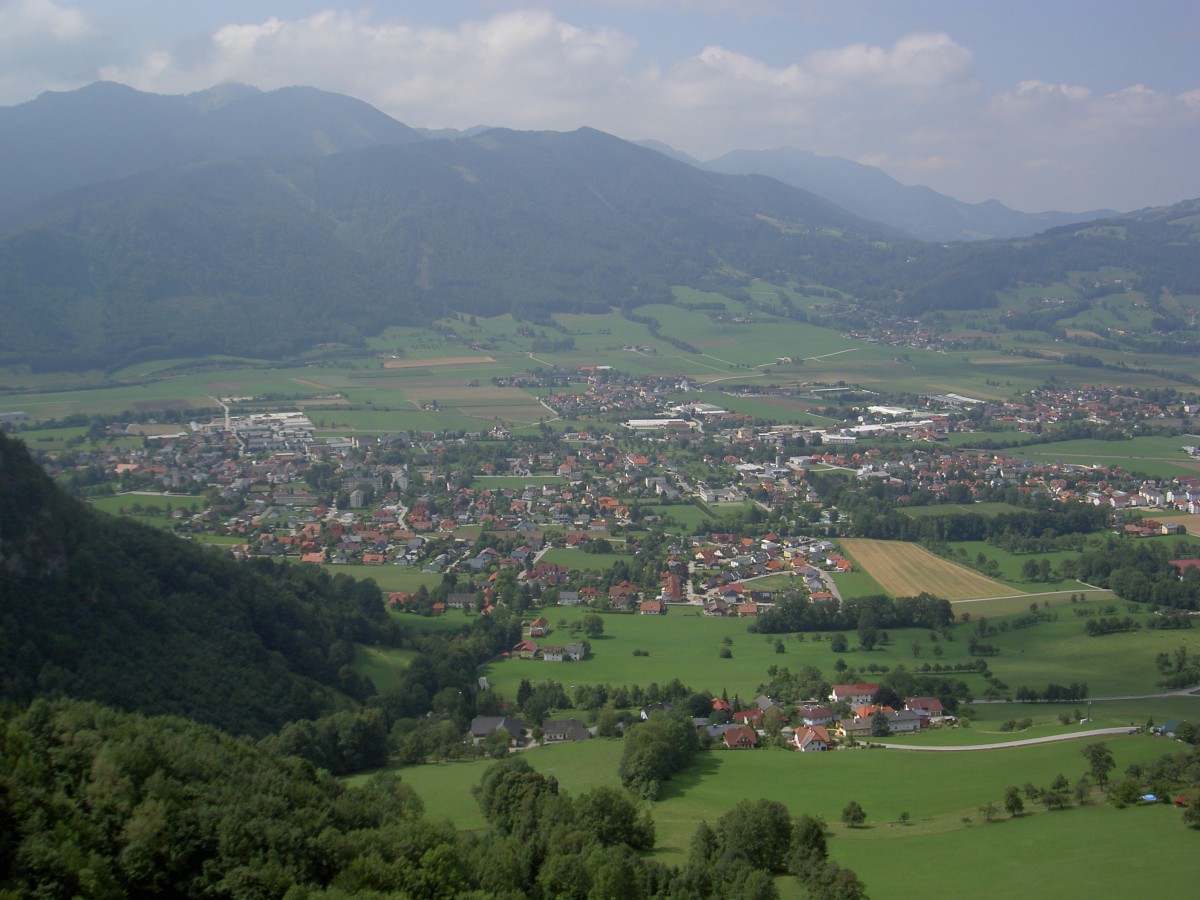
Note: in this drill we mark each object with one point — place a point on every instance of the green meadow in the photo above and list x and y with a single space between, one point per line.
383 665
942 794
1156 457
686 645
389 578
942 509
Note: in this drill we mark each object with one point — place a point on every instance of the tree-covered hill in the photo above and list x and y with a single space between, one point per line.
110 610
263 257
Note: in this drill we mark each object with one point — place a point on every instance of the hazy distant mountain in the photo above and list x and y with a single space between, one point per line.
108 131
871 193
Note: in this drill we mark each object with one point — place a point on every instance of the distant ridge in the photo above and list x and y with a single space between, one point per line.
107 131
873 194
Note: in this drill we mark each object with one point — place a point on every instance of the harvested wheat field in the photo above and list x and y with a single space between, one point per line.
437 361
905 570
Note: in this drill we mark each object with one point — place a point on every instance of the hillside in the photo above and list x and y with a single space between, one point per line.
110 610
266 257
105 132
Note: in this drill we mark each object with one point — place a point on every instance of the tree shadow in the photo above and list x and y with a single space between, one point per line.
705 765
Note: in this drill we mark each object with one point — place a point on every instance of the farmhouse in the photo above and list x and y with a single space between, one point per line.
525 650
853 694
931 707
575 652
482 726
811 739
557 730
741 737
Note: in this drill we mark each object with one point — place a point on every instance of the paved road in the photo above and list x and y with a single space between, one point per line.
1027 742
1182 692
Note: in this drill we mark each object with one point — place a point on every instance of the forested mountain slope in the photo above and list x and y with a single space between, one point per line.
111 610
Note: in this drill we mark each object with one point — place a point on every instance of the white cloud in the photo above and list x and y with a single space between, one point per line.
524 68
45 45
915 106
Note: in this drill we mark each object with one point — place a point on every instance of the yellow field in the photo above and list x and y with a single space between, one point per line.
437 361
905 570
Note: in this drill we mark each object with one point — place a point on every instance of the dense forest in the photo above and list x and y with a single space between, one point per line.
111 610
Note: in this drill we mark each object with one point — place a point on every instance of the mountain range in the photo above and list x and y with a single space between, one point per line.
254 223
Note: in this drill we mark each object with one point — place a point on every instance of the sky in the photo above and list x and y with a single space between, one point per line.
1057 104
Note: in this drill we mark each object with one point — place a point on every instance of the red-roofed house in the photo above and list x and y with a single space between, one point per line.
740 738
811 739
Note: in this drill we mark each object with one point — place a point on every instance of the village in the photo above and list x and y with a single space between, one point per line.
848 717
427 499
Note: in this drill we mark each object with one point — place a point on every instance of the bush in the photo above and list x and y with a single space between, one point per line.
725 653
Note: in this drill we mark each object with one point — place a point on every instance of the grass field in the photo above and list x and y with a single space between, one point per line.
389 578
938 791
383 665
575 558
980 509
685 645
905 570
1156 457
857 584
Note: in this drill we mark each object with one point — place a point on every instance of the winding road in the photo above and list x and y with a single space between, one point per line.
1027 742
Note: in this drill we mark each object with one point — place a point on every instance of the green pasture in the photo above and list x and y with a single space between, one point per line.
776 409
574 558
46 439
1016 604
967 439
785 581
943 509
684 644
986 718
115 504
1096 851
344 422
383 665
1155 456
1062 652
687 516
857 584
1011 563
938 791
390 578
